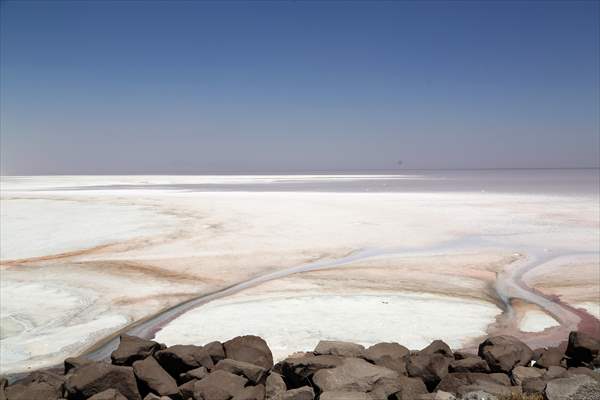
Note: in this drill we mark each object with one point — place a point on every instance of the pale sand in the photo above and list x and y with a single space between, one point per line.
131 253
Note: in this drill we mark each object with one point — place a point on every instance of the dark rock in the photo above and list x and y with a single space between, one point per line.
274 386
75 362
219 385
460 383
410 388
564 388
461 355
132 348
353 374
520 373
438 347
108 394
254 373
186 391
302 393
431 368
470 364
533 385
182 358
251 349
389 355
550 357
251 393
341 349
216 351
384 388
537 353
582 348
154 377
503 353
196 373
152 396
96 377
555 372
297 371
36 386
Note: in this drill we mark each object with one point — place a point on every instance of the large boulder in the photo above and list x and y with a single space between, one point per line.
93 378
297 371
36 386
565 388
353 374
219 385
535 385
274 386
503 353
341 349
251 349
196 373
302 393
470 364
410 388
438 347
108 394
389 355
582 348
154 377
520 374
74 362
251 393
254 373
186 391
182 358
461 383
584 371
431 368
133 348
551 357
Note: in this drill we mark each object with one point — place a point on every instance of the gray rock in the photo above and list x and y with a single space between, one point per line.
431 368
152 396
555 372
274 386
584 371
352 375
389 355
299 370
219 385
551 357
582 348
74 362
303 393
341 349
520 373
251 349
186 391
182 358
333 395
132 348
36 386
503 353
254 373
535 385
251 393
564 388
588 391
460 383
478 395
410 389
154 377
438 347
108 394
96 377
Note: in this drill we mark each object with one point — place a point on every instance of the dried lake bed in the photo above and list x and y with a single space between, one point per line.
296 259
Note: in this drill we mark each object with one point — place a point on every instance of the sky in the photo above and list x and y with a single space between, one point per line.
153 87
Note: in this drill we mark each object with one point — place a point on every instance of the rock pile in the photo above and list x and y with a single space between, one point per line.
242 369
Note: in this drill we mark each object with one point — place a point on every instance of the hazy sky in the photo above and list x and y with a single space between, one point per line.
168 87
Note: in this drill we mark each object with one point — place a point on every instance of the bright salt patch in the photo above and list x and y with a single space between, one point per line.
297 323
591 307
536 321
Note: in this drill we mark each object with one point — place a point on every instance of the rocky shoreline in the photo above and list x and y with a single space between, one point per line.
243 369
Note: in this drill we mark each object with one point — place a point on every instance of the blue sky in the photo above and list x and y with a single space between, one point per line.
193 87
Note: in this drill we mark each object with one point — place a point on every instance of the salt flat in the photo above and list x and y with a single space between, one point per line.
85 256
